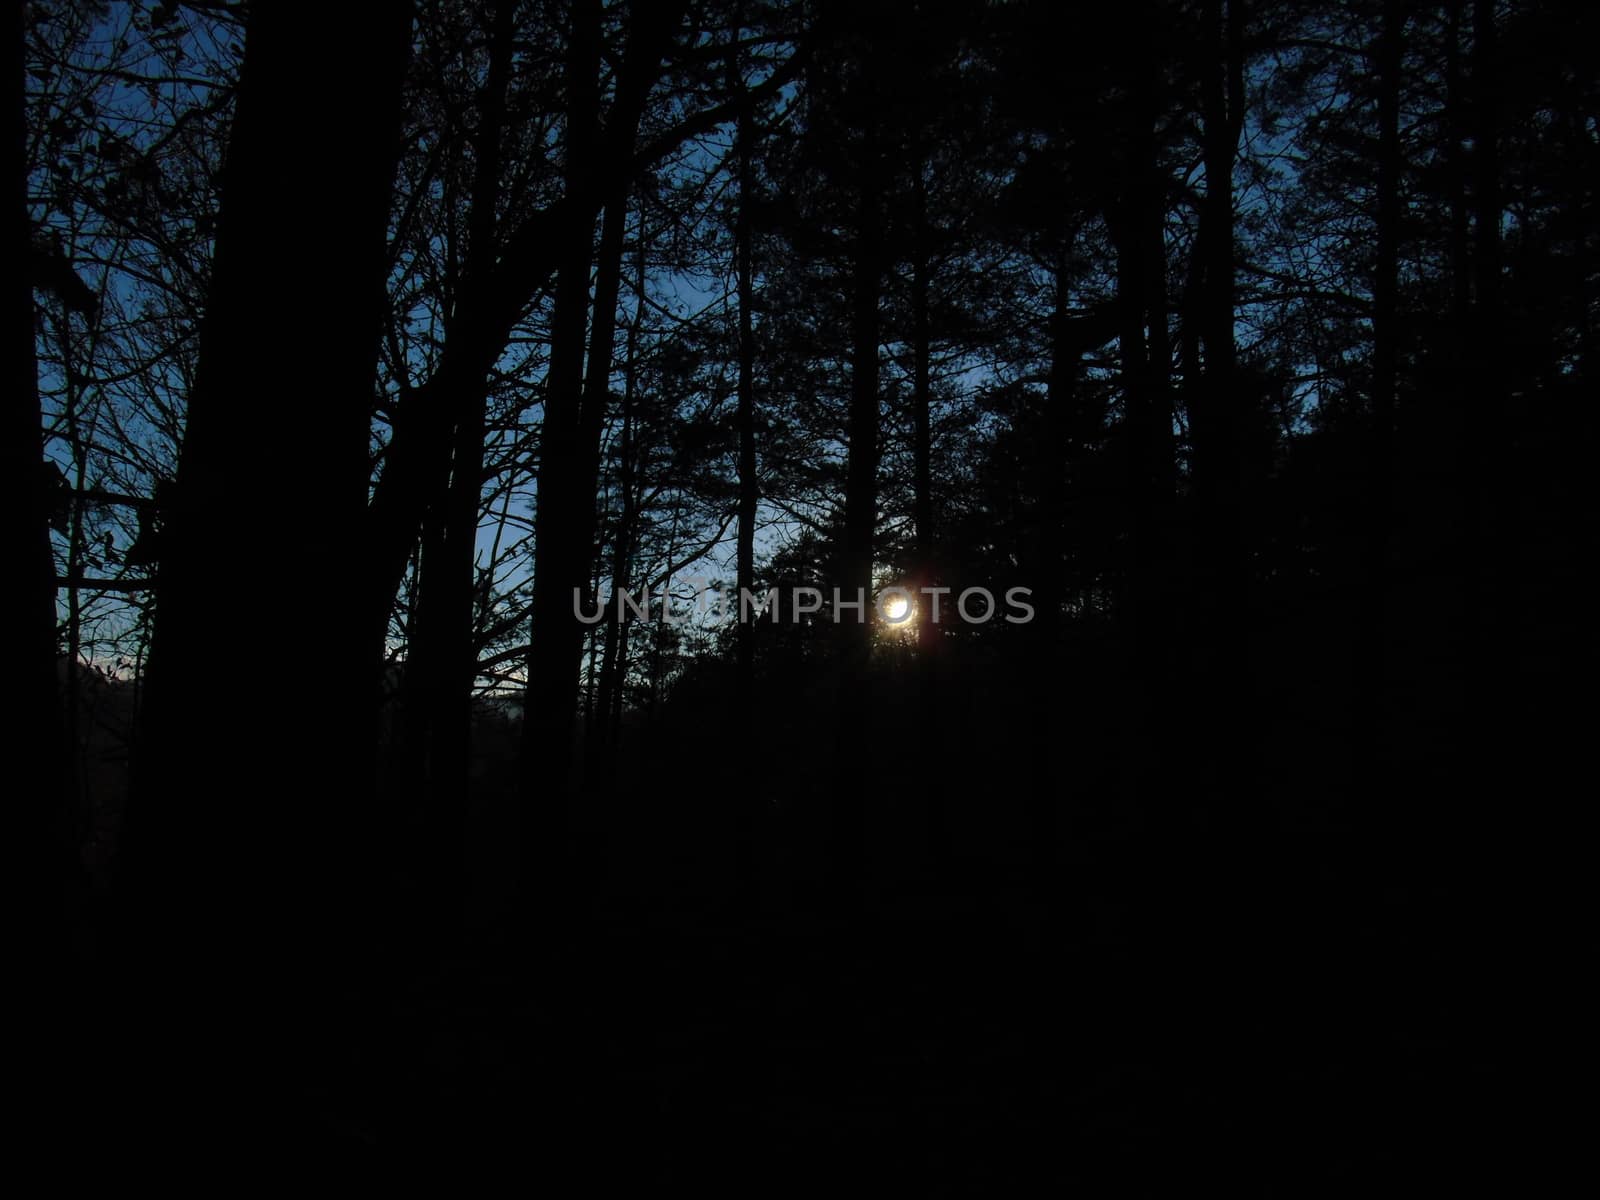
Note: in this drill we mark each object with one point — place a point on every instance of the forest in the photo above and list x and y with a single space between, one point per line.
798 596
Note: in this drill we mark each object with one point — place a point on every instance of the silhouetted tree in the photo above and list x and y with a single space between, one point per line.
257 874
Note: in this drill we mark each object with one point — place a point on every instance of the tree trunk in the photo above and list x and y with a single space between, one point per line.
614 665
552 657
1140 306
1491 454
1456 171
1369 694
930 759
448 584
749 484
1220 684
1048 580
253 804
45 859
575 409
922 402
740 815
564 538
860 526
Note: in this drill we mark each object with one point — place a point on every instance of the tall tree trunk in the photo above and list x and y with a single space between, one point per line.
551 687
860 527
71 679
1221 686
1491 440
448 584
861 471
1370 657
1456 171
253 804
930 759
575 410
741 816
1131 282
1485 114
1140 307
564 540
1223 869
1048 579
749 484
614 665
552 661
1160 466
922 400
44 860
597 388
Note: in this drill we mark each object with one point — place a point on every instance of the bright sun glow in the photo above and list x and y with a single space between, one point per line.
897 608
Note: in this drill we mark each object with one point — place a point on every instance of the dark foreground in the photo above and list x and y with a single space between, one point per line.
1116 1033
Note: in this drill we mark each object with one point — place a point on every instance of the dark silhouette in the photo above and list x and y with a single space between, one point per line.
409 405
251 984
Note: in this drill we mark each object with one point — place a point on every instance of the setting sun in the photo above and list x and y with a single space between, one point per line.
897 609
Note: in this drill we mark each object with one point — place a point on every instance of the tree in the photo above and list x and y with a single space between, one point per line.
255 785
